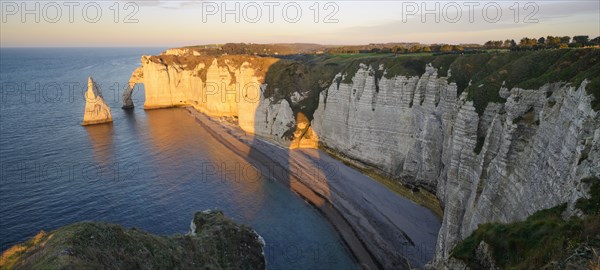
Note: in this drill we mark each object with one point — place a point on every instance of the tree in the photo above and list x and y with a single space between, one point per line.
399 50
458 48
541 40
552 41
446 48
507 43
513 44
494 44
595 41
583 40
414 49
528 42
426 49
565 39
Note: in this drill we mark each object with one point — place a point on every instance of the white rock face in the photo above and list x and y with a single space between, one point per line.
419 131
96 109
181 51
537 146
228 89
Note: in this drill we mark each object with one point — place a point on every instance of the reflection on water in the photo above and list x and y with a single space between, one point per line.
101 140
175 136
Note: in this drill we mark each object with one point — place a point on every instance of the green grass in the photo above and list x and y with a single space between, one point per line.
219 244
528 70
591 206
486 73
543 237
358 55
414 54
311 74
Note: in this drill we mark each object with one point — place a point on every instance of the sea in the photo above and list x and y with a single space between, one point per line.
149 169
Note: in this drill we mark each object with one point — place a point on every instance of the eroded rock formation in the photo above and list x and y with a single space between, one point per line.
228 86
537 145
96 109
136 77
497 163
214 242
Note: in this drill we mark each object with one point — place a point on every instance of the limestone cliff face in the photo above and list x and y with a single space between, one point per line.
220 87
499 165
538 145
96 109
181 51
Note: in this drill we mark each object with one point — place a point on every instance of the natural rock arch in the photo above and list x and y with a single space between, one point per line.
136 77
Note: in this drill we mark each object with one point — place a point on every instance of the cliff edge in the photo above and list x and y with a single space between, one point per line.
214 242
497 137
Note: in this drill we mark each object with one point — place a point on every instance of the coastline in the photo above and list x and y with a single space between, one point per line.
417 195
342 227
359 208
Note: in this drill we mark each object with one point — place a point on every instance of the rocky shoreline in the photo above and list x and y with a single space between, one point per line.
214 242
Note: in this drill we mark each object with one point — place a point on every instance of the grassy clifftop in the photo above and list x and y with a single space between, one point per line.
216 243
481 75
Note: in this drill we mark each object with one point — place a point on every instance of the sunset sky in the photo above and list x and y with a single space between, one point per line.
179 23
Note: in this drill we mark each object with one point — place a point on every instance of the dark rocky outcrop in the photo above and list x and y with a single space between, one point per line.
215 242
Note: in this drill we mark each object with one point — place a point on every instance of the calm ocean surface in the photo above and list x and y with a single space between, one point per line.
149 169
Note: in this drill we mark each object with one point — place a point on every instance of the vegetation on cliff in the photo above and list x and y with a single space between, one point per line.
545 239
231 62
216 242
481 75
308 75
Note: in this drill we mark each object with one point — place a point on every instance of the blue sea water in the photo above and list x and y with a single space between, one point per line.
148 169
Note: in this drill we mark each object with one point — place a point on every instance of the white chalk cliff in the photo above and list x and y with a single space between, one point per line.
538 145
220 87
96 109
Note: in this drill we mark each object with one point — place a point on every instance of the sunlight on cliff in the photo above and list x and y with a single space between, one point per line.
11 256
304 135
96 109
227 86
232 89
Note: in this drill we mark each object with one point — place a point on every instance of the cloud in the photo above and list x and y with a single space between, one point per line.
169 4
558 10
547 15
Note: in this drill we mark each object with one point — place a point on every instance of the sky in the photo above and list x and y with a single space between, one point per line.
182 23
